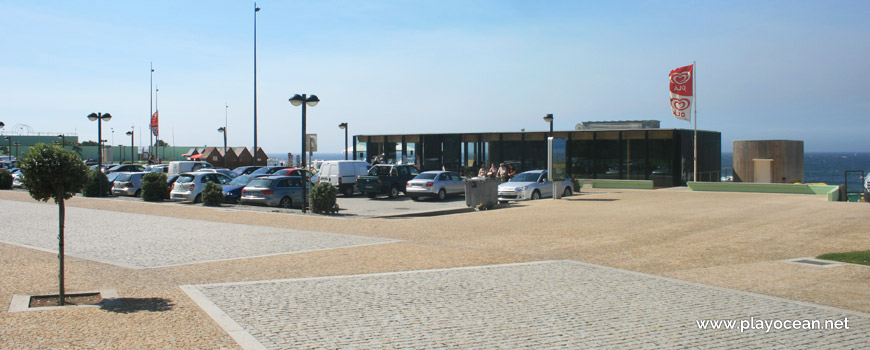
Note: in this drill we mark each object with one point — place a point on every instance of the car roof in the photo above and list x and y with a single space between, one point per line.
534 171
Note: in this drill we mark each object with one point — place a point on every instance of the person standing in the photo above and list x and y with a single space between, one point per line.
502 173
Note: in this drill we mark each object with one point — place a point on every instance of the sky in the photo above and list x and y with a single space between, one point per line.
793 70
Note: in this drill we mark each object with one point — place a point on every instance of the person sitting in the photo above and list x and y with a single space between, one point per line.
482 171
493 171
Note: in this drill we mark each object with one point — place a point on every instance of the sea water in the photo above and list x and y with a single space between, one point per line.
827 167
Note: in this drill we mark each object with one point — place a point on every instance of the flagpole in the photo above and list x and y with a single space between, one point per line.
695 103
154 154
150 110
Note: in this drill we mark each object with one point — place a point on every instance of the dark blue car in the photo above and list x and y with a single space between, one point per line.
233 190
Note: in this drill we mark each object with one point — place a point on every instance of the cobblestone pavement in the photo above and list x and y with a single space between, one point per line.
145 241
531 305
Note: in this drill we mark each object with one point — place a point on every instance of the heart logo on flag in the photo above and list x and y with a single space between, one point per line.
680 104
680 78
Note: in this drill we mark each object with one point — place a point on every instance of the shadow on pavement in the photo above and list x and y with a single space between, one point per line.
133 305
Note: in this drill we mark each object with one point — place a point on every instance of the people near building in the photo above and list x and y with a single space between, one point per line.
502 173
493 171
511 172
482 171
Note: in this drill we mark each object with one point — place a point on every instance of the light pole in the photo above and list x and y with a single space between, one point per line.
312 101
256 9
344 127
132 145
549 119
223 130
99 117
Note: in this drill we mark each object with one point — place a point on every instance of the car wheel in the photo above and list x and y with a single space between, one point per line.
567 192
286 203
442 195
348 191
394 192
197 199
370 194
536 195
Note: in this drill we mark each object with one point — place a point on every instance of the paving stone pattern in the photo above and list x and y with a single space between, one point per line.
532 305
144 241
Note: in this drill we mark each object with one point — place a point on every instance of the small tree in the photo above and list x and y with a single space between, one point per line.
51 172
212 194
5 180
96 184
154 187
323 198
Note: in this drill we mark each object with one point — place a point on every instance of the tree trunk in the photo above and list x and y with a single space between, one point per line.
60 207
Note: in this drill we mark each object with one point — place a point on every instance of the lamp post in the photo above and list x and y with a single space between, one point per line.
99 117
132 145
256 9
549 119
312 101
223 130
344 126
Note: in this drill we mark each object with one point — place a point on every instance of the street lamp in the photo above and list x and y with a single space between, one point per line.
223 130
312 101
344 126
549 119
99 117
132 147
256 9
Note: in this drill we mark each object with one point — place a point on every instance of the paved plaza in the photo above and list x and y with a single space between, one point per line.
529 305
145 241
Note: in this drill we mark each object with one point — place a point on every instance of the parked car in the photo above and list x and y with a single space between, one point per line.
246 170
224 171
132 168
111 177
530 185
233 190
297 172
188 187
389 179
18 180
158 168
170 180
867 188
280 191
436 184
187 166
343 174
128 184
268 170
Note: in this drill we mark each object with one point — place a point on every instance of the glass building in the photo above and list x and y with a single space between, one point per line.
661 155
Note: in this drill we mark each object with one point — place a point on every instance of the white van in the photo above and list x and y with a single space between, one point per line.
343 174
187 166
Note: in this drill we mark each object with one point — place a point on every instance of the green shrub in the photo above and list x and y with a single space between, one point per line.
5 180
323 198
93 184
212 195
154 187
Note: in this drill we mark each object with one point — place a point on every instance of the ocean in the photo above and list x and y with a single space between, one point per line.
827 167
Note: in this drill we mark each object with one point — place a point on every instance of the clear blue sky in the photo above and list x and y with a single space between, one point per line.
766 69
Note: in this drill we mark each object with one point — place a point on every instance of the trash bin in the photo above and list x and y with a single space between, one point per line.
481 191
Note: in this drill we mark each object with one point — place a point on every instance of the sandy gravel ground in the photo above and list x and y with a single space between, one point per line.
733 240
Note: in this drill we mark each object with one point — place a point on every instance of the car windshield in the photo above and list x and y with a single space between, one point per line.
426 176
185 178
526 177
113 176
242 180
262 183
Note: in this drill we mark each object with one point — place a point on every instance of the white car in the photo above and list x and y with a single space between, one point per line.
867 188
437 184
188 187
530 185
342 174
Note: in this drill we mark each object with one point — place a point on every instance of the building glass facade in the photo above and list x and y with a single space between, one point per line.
664 156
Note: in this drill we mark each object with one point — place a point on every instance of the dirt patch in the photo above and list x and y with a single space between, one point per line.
69 299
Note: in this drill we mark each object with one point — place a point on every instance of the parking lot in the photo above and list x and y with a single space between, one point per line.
358 206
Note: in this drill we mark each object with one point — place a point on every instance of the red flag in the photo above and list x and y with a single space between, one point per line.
682 97
154 127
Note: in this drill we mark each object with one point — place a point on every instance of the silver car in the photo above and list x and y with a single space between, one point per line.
436 184
188 187
530 185
128 184
274 191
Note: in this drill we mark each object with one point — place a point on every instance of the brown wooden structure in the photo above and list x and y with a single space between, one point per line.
784 157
